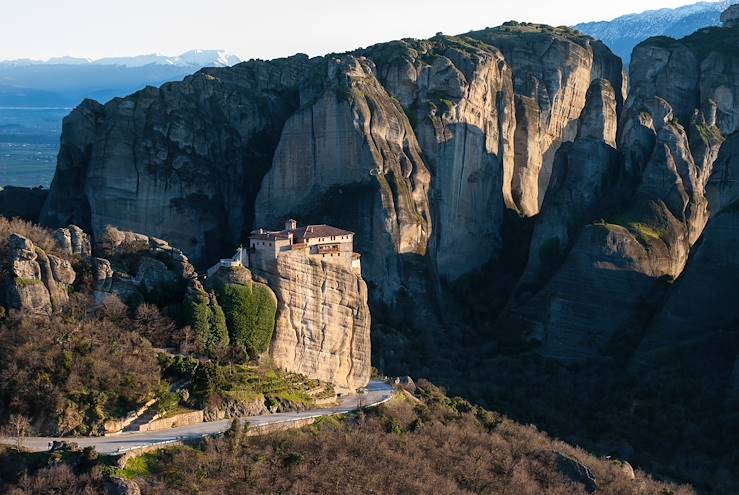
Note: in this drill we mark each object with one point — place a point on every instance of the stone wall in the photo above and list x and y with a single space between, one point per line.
183 419
115 426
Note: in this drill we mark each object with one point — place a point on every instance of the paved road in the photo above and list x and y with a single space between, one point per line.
377 393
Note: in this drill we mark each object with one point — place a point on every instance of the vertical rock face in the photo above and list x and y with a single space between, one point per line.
701 304
599 118
39 281
460 100
583 174
670 135
188 153
421 135
323 321
353 135
552 71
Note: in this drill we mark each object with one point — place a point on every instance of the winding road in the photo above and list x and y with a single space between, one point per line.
377 393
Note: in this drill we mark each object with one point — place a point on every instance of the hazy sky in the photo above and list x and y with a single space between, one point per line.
267 28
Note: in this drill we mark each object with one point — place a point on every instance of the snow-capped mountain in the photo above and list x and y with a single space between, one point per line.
192 58
623 33
65 81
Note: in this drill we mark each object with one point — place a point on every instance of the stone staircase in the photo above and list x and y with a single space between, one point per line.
144 419
152 412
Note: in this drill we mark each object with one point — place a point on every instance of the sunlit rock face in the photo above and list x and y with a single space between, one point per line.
323 321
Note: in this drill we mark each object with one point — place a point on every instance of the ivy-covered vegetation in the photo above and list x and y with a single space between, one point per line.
208 323
250 316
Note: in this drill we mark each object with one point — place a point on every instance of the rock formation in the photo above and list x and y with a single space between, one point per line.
730 17
73 241
160 270
38 281
671 131
504 191
422 135
190 153
323 321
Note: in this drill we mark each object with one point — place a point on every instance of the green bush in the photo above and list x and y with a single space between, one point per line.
206 318
250 316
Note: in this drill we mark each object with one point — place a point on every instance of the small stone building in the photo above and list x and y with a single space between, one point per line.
324 242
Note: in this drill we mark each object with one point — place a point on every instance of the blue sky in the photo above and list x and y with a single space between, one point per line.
265 29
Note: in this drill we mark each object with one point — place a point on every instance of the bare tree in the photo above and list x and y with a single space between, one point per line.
19 427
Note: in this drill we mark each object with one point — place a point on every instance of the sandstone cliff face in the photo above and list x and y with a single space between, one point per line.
353 135
698 308
552 72
422 135
460 99
188 153
583 173
671 131
323 321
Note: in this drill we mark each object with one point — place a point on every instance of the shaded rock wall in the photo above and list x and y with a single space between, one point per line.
423 135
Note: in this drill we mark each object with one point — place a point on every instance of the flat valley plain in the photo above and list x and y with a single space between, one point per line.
29 143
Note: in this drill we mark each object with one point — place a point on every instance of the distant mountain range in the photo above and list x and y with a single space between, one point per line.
623 33
65 81
193 58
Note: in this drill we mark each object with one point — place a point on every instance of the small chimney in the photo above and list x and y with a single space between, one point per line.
291 225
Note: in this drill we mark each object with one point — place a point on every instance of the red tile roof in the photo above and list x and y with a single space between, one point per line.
313 231
300 234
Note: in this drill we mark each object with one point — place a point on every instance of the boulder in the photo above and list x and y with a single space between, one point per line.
57 291
625 468
73 240
576 471
102 274
121 486
153 275
39 283
406 383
